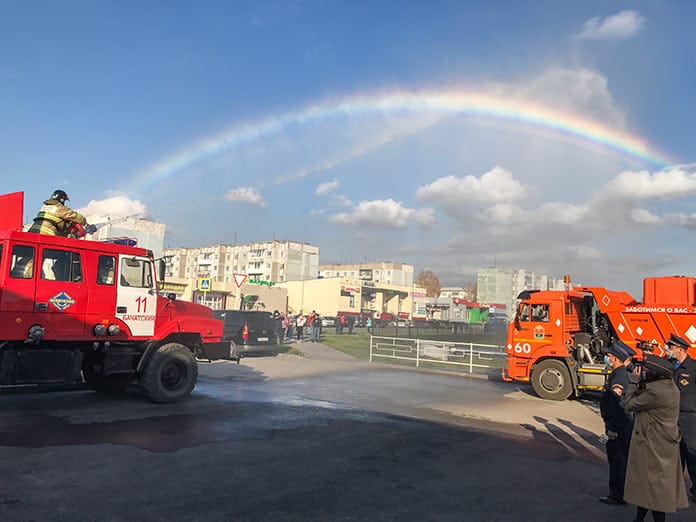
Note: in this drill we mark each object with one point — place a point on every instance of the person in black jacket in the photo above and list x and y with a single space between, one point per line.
618 423
685 379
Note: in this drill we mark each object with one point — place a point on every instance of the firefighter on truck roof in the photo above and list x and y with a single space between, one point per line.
54 218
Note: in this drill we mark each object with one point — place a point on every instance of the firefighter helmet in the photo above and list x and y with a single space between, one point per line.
60 195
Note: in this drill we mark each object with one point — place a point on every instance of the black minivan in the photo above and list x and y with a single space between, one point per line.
252 332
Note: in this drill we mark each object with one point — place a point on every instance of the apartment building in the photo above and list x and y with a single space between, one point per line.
268 261
455 291
503 285
385 272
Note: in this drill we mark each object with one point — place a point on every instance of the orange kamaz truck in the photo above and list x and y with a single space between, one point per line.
558 337
76 311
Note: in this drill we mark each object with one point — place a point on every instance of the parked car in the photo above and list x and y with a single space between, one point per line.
251 332
401 323
328 321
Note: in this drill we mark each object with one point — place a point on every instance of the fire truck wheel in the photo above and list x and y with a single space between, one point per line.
107 383
170 374
551 380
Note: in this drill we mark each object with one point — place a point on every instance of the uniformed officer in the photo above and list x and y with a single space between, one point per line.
54 218
618 423
685 378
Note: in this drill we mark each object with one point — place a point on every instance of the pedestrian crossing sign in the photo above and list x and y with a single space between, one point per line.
204 284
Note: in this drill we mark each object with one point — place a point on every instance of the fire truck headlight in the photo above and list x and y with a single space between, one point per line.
99 330
114 329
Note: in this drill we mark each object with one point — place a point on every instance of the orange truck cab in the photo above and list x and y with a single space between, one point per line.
558 338
75 311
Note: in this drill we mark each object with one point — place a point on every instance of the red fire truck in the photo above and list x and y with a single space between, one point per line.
74 311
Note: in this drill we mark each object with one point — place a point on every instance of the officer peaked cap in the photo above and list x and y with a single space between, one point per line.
658 365
620 350
675 340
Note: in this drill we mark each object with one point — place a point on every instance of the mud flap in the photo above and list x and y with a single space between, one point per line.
220 350
47 366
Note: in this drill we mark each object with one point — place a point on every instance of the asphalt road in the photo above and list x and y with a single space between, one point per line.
321 437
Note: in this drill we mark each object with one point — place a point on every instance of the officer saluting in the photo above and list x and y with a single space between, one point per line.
618 423
685 378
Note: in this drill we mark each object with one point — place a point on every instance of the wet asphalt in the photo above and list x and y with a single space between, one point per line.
319 437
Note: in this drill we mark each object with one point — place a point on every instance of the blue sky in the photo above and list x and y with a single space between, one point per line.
359 127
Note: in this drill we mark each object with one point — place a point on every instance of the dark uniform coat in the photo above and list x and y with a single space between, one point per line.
54 219
685 377
654 477
616 421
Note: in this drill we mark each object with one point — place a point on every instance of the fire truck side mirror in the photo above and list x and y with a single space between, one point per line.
161 267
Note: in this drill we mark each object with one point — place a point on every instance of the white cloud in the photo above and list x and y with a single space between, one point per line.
563 213
385 213
247 195
583 91
325 188
451 192
666 184
621 25
506 214
645 217
686 220
116 206
583 252
341 201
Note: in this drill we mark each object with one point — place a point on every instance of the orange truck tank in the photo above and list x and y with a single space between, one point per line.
558 338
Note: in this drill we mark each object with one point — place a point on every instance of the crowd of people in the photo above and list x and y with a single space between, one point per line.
649 413
298 327
294 327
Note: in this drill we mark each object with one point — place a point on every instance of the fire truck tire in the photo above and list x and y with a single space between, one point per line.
170 374
551 380
107 383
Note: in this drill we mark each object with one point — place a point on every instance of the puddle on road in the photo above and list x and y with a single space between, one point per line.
156 434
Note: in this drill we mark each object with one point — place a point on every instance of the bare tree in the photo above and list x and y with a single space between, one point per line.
428 280
471 290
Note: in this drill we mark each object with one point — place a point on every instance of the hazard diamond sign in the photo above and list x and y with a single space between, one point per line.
239 279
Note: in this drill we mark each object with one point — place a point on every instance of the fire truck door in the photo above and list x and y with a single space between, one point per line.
136 298
61 292
18 291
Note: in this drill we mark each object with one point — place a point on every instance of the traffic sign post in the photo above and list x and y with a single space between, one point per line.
239 279
204 284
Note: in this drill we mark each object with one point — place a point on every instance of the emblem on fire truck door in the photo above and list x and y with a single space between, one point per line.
539 332
62 301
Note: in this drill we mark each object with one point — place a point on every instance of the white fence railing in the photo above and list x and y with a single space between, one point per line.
465 355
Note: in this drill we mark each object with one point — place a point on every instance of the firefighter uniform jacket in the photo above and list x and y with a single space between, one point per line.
54 219
654 477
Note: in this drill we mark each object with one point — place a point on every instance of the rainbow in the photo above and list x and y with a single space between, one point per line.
535 115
